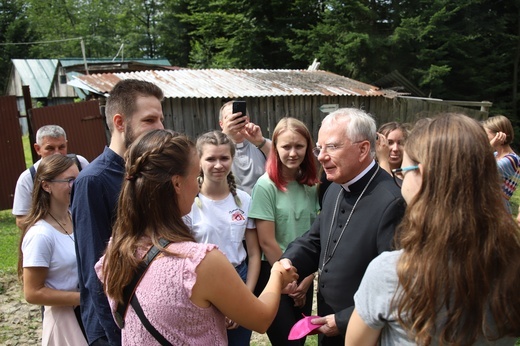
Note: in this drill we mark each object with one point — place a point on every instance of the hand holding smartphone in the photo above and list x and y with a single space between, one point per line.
240 106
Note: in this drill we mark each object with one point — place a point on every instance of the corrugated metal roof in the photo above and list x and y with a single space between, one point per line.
37 73
213 83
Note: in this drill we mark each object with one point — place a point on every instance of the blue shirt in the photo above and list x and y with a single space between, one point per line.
94 201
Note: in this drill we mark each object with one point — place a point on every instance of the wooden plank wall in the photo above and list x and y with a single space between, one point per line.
196 116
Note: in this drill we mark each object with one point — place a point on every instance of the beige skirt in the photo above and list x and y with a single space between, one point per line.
61 328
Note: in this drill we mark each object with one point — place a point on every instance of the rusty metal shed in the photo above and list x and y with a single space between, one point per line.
193 97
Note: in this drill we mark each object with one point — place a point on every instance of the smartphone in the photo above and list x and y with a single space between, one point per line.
240 106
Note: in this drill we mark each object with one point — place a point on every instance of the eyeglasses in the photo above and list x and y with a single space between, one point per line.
330 148
399 173
70 181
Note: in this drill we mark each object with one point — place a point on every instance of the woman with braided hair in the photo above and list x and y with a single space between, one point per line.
219 216
285 204
187 290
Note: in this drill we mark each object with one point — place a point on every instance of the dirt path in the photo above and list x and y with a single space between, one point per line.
20 322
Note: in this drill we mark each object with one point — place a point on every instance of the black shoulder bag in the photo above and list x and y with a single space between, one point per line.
129 296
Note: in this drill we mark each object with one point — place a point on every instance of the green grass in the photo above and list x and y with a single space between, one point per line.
27 151
10 235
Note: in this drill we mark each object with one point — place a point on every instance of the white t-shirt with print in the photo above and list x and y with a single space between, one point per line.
222 223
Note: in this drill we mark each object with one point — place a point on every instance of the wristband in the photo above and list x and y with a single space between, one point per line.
262 144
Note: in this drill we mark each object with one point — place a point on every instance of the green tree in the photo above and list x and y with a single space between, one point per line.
173 41
14 28
99 28
138 26
54 20
348 39
246 34
459 50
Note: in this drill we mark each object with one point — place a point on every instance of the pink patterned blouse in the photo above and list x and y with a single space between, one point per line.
164 294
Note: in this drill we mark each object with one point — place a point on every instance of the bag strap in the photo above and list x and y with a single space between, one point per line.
33 172
76 160
146 323
129 290
514 161
72 156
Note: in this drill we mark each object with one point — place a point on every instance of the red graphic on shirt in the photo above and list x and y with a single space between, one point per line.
237 216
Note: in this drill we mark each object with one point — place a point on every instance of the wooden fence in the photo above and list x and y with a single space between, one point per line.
196 116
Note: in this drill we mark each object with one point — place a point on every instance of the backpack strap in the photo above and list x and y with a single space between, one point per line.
33 172
72 156
129 290
514 162
76 160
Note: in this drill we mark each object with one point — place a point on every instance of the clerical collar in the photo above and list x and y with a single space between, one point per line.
239 145
347 185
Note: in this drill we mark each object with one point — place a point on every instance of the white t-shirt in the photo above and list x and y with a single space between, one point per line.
222 223
24 188
45 246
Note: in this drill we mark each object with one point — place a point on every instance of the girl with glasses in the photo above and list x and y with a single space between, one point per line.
47 261
455 280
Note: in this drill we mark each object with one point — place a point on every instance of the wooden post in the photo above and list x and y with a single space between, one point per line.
26 92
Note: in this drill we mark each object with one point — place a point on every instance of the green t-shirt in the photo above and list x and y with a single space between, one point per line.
292 211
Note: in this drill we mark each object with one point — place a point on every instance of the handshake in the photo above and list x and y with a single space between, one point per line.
289 275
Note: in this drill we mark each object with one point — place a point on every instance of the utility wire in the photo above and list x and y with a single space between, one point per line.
39 42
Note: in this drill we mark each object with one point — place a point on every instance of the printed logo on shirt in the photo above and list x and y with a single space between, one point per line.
237 216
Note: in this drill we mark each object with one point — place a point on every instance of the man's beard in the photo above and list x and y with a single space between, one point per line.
129 135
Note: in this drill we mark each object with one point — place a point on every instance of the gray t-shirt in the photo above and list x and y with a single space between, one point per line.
248 165
374 297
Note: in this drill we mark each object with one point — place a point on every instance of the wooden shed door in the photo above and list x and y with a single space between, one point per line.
12 159
82 122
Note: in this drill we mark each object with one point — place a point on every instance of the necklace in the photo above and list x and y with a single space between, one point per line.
62 226
327 258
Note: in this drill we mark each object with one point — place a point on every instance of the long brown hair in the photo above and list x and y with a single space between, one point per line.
48 169
147 204
461 260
